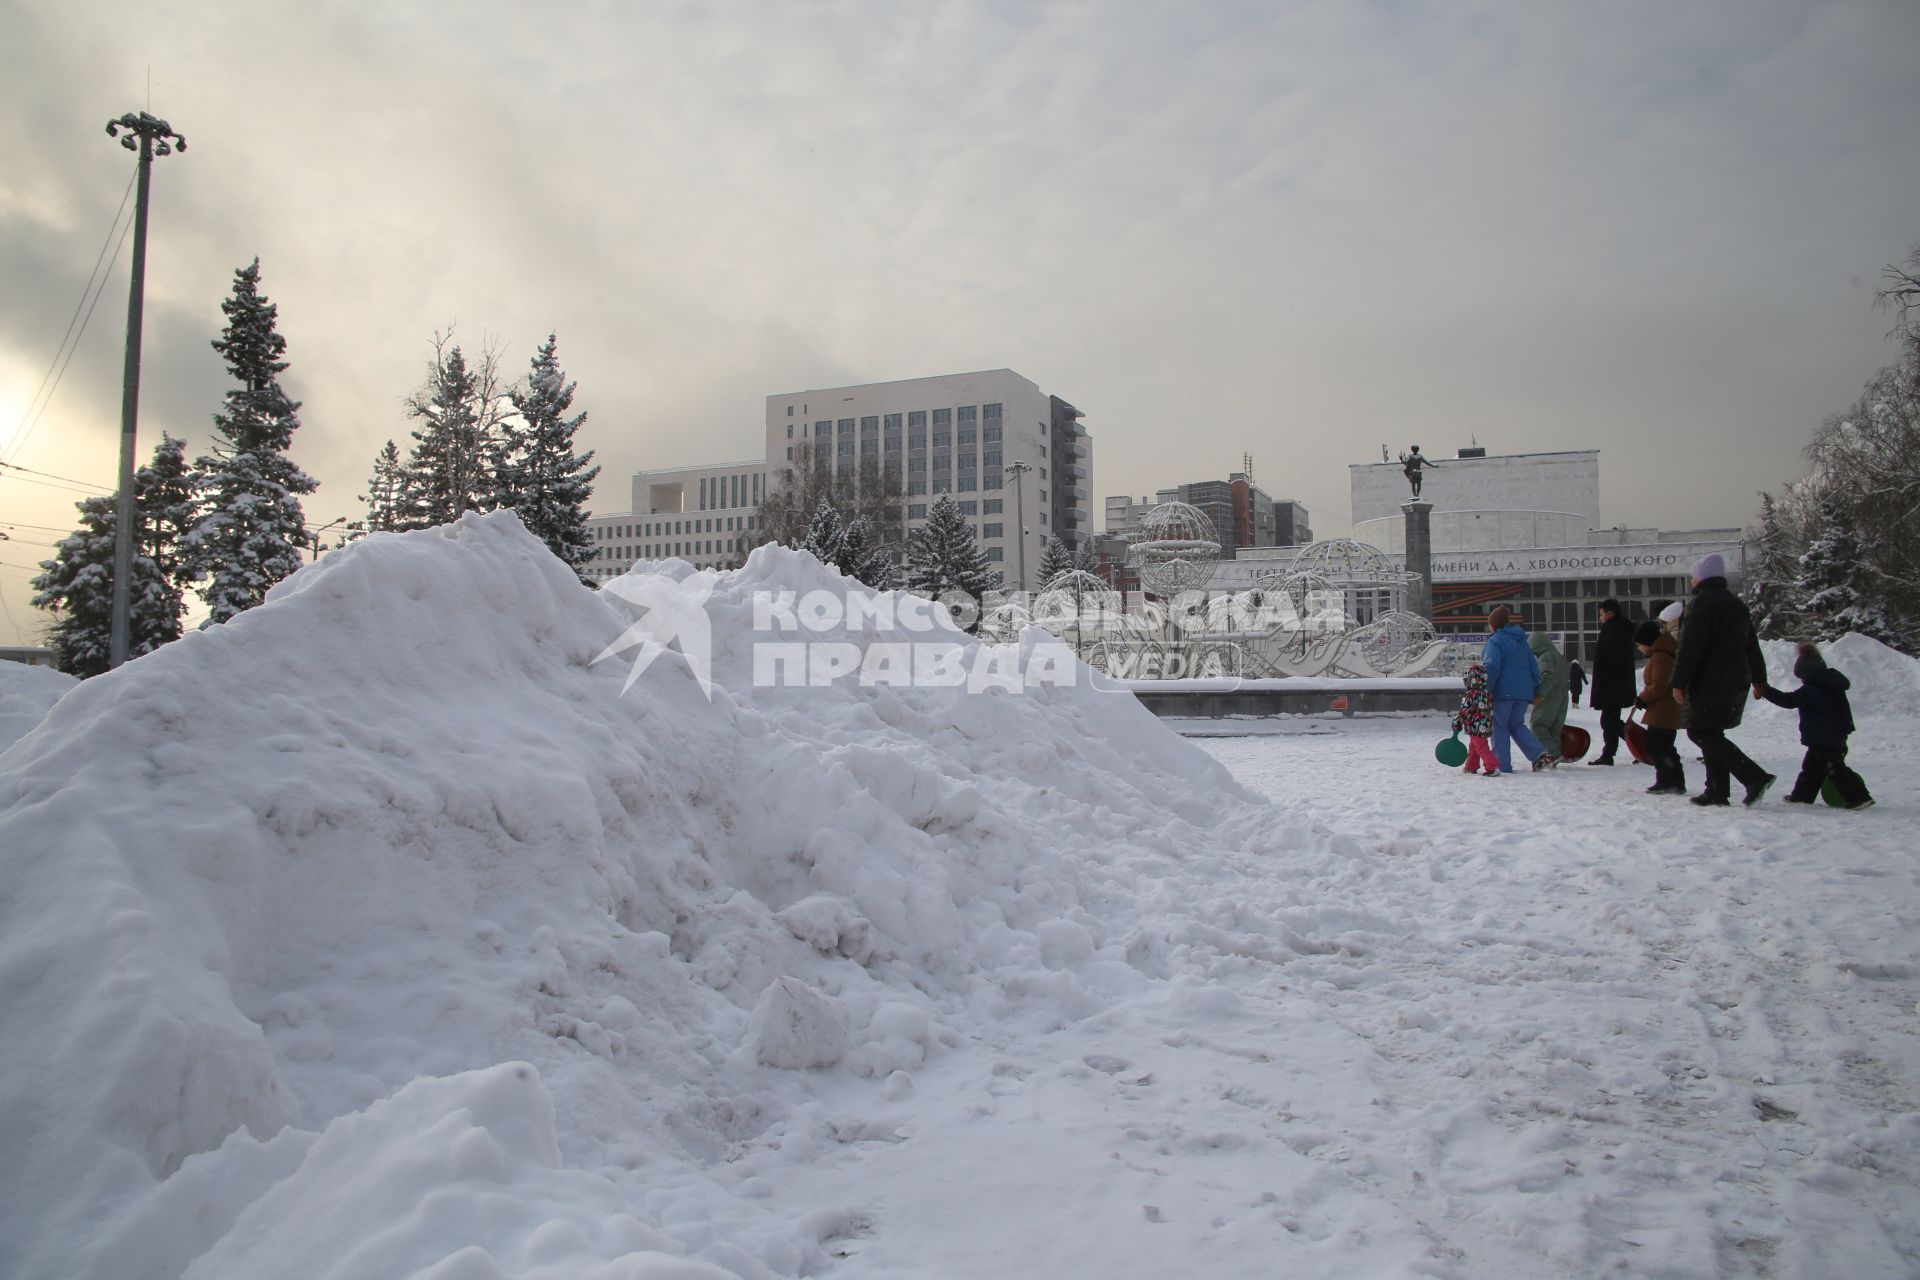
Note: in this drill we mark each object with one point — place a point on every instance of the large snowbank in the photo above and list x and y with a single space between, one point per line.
1885 681
25 694
285 896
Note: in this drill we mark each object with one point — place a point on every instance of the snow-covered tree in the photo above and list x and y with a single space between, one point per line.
863 560
553 483
451 469
1056 557
944 555
76 585
826 535
385 497
1772 588
251 527
1085 559
1841 588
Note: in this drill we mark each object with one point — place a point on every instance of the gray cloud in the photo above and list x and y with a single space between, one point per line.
1297 230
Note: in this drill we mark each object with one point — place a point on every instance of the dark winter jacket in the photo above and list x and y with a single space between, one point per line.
1826 717
1613 665
1719 660
1476 704
1656 694
1512 670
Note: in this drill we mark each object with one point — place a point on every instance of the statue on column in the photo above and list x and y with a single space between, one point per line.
1411 464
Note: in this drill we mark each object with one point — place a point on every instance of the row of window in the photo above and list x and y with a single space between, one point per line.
746 489
665 528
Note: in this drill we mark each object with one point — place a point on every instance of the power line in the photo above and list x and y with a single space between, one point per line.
18 440
49 484
85 484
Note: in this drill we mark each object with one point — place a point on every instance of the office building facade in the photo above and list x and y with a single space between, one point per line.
1000 447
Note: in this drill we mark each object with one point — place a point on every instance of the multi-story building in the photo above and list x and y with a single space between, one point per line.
993 441
1243 515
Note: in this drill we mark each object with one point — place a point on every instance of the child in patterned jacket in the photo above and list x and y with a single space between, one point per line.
1475 719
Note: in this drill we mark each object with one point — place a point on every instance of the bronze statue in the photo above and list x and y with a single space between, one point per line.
1411 464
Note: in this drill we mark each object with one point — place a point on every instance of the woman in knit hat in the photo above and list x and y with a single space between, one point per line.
1718 667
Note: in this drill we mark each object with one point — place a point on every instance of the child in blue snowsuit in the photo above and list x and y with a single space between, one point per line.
1826 720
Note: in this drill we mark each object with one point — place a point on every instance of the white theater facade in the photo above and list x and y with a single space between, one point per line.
1515 529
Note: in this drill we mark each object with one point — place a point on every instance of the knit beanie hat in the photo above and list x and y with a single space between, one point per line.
1672 612
1647 632
1709 565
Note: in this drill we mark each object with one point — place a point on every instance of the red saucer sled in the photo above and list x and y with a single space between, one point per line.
1636 738
1574 742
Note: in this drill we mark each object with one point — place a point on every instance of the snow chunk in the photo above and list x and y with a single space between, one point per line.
796 1027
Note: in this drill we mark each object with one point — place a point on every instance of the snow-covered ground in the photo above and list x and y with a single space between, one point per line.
377 934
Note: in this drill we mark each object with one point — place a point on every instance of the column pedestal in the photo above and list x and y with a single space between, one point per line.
1420 557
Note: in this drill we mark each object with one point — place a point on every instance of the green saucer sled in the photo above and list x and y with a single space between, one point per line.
1451 752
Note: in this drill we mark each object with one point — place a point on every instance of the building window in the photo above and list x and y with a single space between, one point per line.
967 482
916 511
991 506
969 508
994 530
991 478
996 553
789 414
917 485
823 428
990 413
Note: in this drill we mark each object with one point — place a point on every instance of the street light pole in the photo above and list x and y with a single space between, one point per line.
1016 470
155 137
339 520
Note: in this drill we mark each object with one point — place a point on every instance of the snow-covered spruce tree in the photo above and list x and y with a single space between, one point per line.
1055 559
385 498
1840 586
76 585
1772 588
451 469
555 483
1085 559
944 555
869 564
251 527
826 535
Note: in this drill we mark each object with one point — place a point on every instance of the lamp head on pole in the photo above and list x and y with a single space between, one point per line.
142 127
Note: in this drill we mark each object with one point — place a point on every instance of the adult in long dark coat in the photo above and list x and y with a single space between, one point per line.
1613 689
1719 668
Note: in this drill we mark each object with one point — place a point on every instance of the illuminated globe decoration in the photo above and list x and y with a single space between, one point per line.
1003 623
1074 598
1391 642
1176 550
1355 577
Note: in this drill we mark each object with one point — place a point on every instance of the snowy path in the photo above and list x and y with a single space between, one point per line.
1541 1026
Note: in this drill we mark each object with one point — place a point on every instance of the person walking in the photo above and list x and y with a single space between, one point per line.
1662 714
1513 677
1612 677
1549 716
1718 662
1826 721
1576 681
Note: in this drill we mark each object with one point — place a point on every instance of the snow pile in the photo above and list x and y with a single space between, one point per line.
25 694
399 823
1885 682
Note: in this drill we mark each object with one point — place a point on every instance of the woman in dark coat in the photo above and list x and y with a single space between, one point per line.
1612 677
1718 668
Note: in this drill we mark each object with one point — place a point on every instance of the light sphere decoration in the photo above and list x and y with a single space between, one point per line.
1346 560
1177 549
1003 623
1072 595
1392 641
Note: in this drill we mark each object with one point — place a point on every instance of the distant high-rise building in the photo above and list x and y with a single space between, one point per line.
1242 513
952 435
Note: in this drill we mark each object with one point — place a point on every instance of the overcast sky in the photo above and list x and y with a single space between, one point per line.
1298 231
